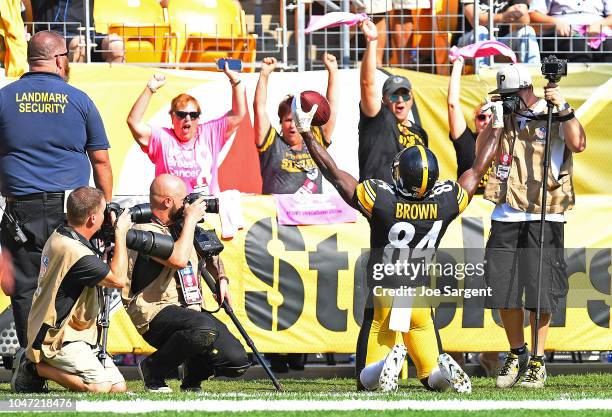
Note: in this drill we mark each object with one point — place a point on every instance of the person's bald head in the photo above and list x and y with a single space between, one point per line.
44 45
166 195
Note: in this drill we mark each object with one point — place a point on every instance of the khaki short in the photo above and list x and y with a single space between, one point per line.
79 358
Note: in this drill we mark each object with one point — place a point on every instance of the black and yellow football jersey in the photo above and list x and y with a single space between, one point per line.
415 227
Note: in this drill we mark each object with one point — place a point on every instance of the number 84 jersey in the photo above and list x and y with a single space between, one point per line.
397 222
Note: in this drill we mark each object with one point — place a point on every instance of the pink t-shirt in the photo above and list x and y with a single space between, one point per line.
195 162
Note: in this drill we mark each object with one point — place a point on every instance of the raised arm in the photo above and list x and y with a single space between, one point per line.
239 105
141 131
332 94
573 132
371 97
456 121
342 181
261 121
487 143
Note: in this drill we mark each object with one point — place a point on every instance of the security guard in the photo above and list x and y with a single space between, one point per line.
50 133
164 299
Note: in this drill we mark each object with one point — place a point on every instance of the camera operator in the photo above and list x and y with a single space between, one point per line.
512 252
62 325
164 299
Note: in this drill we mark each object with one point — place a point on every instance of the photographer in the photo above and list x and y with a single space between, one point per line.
62 325
164 299
512 253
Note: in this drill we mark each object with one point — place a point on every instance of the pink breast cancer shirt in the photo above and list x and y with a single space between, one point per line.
196 161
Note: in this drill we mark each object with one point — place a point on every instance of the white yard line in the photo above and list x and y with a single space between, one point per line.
139 406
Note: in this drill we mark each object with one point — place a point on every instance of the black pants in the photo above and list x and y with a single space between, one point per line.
172 331
38 219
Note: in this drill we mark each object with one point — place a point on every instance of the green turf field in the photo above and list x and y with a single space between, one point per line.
338 391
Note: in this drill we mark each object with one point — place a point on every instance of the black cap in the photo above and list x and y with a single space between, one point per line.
394 83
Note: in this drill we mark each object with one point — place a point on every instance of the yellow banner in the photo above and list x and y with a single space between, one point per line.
300 289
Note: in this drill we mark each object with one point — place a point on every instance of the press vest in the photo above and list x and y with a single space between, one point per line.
45 335
143 304
522 190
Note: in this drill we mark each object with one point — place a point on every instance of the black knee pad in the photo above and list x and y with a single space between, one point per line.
233 371
201 339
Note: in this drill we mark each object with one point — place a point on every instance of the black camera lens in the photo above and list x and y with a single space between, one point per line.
150 243
141 213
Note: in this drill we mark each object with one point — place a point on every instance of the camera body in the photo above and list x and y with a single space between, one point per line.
510 103
553 68
212 203
140 213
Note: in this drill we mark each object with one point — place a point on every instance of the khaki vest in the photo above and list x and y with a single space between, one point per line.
163 291
522 190
58 256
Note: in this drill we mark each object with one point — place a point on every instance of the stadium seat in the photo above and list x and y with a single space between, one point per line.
207 30
141 24
435 32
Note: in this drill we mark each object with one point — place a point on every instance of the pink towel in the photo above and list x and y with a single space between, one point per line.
230 211
481 49
595 41
334 19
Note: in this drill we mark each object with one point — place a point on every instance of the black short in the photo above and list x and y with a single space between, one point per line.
511 266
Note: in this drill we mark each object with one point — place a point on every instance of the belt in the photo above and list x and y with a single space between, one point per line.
36 196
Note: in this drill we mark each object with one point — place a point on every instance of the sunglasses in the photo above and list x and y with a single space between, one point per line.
64 54
394 98
183 114
482 117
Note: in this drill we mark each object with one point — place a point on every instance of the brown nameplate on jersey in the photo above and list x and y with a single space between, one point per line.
416 211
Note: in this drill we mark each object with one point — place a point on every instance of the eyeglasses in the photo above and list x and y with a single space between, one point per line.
64 54
482 117
183 114
394 98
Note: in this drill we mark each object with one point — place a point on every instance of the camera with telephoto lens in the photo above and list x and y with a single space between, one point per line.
143 241
553 68
212 203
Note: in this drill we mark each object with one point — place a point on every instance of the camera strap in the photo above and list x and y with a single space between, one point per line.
70 232
544 116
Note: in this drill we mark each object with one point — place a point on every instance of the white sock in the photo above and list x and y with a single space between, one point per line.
370 375
436 381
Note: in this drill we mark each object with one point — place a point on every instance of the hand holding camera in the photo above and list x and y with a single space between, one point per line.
194 211
124 222
553 94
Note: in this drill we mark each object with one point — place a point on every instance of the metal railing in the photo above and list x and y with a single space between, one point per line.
425 48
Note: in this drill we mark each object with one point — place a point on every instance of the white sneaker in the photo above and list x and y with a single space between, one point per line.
392 368
457 379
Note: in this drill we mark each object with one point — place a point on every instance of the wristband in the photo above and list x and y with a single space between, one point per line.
234 84
564 106
223 277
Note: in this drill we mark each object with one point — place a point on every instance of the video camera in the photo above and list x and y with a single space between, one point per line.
143 241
